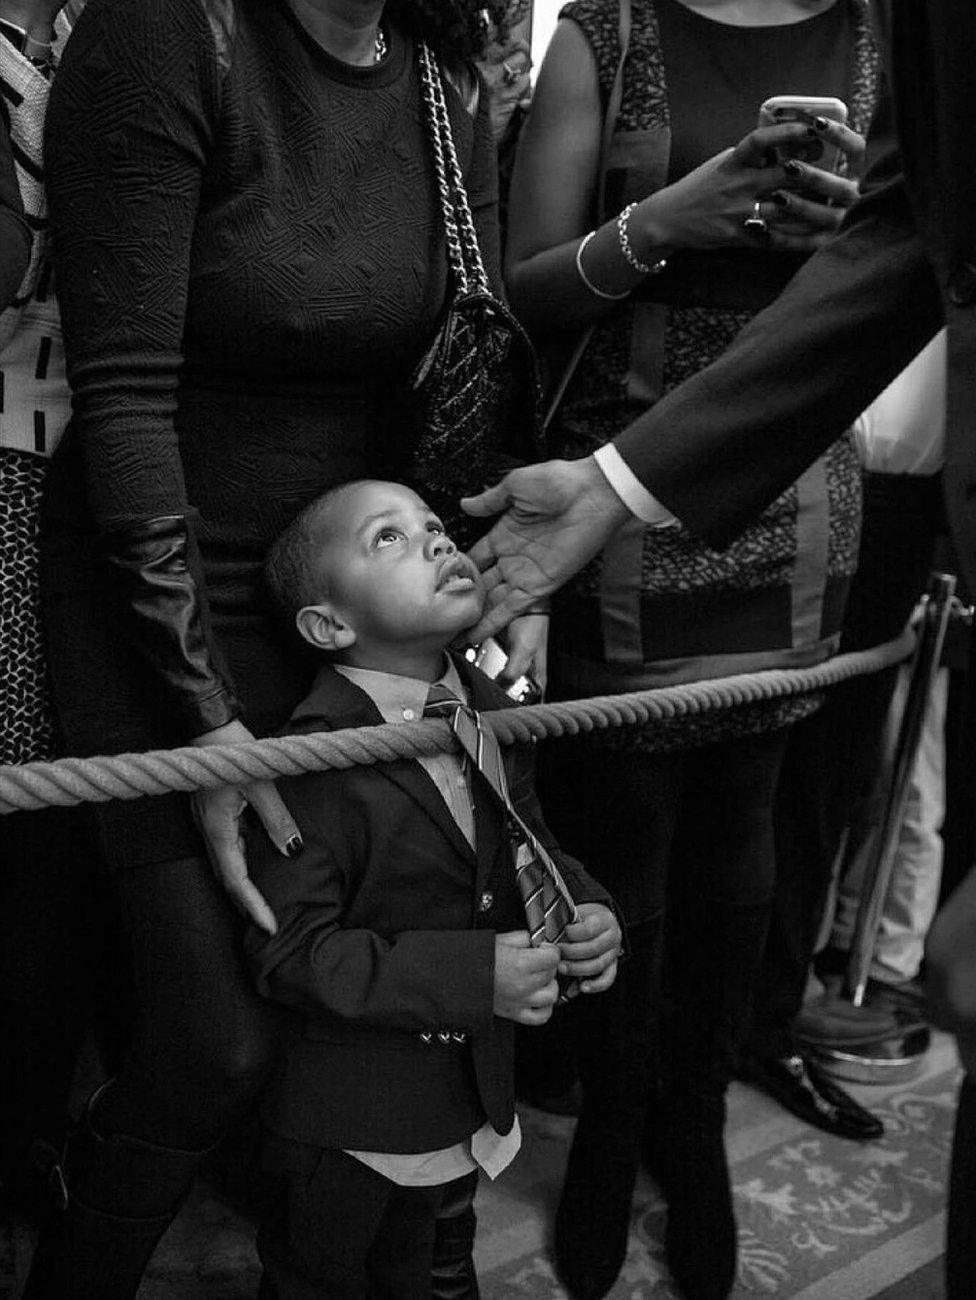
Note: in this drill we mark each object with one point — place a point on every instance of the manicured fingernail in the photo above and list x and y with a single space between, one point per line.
294 846
821 123
779 199
792 168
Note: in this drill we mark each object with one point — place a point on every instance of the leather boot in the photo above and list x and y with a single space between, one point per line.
616 1036
121 1194
711 979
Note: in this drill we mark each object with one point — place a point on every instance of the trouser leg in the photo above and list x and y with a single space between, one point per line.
52 935
452 1271
201 1049
615 813
720 893
960 1245
341 1231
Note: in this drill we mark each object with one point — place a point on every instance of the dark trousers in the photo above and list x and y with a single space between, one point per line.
684 842
53 940
832 757
201 1048
340 1230
203 1040
960 1255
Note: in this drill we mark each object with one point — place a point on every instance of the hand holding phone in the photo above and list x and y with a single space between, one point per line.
779 109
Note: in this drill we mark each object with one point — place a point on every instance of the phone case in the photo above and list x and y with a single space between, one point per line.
804 108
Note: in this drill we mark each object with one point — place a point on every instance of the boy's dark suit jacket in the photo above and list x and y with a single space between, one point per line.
386 941
720 447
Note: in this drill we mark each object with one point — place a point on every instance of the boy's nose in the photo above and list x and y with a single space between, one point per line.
441 544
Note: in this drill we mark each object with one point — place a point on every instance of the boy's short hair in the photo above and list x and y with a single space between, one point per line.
294 574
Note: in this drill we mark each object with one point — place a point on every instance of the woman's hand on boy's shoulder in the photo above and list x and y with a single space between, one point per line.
591 948
218 816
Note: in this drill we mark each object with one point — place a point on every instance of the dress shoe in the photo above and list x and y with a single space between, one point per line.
805 1090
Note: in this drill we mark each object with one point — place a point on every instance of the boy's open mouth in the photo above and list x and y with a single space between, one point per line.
457 572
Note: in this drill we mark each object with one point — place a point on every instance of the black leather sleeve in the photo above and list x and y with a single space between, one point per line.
154 568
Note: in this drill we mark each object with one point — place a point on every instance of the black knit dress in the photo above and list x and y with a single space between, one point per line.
250 260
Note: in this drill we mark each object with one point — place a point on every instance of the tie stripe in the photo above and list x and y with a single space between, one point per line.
549 906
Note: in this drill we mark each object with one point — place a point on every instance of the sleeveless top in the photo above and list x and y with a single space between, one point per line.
658 607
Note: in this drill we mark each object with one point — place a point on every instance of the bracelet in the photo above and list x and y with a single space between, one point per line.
542 610
645 268
597 293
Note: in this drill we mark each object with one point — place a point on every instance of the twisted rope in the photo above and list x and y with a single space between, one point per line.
130 776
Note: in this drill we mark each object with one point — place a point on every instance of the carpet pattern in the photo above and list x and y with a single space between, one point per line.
819 1218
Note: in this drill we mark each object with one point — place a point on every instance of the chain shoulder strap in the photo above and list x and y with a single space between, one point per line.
463 251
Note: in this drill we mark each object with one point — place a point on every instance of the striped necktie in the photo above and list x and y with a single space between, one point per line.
549 906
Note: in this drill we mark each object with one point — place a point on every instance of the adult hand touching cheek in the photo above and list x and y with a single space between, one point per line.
557 516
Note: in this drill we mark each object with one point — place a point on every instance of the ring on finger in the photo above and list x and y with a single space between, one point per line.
755 222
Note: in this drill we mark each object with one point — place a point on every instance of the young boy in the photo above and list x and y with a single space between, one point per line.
402 947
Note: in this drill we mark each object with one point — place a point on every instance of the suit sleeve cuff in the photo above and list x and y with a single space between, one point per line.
630 490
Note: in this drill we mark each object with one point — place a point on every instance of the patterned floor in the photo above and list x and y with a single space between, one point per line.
820 1218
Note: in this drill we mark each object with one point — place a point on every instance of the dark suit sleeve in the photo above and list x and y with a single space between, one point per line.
15 238
718 449
413 981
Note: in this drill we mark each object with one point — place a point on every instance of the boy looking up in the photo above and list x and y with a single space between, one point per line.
402 947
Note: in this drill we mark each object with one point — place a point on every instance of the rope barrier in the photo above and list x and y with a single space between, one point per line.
68 781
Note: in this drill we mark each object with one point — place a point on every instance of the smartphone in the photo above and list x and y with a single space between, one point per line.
491 659
804 108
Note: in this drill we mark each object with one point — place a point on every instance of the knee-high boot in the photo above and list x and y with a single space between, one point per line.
121 1194
616 1033
711 977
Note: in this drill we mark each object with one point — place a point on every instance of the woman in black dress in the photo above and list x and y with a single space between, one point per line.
700 227
250 260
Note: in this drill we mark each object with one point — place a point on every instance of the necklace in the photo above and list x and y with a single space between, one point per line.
379 46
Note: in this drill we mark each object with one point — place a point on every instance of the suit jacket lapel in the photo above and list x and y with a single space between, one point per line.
335 703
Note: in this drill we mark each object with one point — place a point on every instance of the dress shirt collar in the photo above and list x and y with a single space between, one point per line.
400 699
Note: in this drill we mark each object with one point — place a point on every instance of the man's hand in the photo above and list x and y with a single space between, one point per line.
525 979
558 515
218 815
590 948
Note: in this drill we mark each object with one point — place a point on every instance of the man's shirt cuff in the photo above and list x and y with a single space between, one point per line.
631 490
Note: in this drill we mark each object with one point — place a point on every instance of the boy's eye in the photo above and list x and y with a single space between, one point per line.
387 536
435 526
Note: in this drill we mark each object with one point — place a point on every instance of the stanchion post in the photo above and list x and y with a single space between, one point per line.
924 664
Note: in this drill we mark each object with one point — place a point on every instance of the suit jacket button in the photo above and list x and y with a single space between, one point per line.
426 1037
487 898
444 1036
962 285
459 1036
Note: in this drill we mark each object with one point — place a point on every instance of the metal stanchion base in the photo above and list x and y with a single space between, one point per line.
890 1060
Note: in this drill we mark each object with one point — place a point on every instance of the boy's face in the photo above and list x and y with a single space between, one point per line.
391 572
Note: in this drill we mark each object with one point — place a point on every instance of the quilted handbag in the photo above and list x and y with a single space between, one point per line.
475 396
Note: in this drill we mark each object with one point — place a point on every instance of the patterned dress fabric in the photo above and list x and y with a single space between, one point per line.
34 409
658 607
250 262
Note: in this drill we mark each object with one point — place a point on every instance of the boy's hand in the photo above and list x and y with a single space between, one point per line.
525 978
591 947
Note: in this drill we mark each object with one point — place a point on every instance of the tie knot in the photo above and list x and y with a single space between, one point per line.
441 703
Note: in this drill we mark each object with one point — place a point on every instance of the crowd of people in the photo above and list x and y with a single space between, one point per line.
232 210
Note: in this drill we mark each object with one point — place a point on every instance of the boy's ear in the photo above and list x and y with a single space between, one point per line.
323 628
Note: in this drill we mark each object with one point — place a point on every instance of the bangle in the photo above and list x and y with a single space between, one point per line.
645 268
597 293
